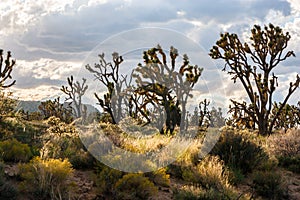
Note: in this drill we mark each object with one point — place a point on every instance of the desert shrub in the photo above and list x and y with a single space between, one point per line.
35 149
236 176
286 148
189 158
191 155
187 193
290 163
269 184
269 164
119 160
61 140
284 144
82 160
198 193
212 175
46 179
105 118
14 151
175 170
160 177
134 186
26 132
7 104
19 129
239 151
189 174
106 179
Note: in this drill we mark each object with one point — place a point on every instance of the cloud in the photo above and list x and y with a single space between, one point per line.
43 72
51 38
70 29
39 93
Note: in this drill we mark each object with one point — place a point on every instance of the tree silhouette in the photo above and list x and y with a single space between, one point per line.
164 87
240 118
204 114
216 118
6 68
7 104
203 117
108 74
252 65
74 92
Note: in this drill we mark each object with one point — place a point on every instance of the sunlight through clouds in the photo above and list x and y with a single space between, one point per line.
51 38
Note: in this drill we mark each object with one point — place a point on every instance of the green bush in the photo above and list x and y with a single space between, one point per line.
239 151
106 179
46 179
290 163
14 151
269 184
269 164
236 176
134 187
23 131
175 170
82 160
187 194
160 177
189 174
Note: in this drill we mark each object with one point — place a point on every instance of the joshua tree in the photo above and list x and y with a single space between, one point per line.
108 74
7 104
253 65
289 116
204 114
164 87
6 69
240 118
74 92
216 118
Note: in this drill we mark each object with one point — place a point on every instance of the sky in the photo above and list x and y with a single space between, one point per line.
53 39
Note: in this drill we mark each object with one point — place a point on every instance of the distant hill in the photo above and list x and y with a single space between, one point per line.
33 106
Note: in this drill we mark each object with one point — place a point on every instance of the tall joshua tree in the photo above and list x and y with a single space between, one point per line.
166 87
253 65
74 92
108 74
6 67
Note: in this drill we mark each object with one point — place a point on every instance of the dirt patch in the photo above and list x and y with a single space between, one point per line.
293 184
84 187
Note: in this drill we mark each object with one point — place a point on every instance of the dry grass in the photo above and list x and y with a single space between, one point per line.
284 144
